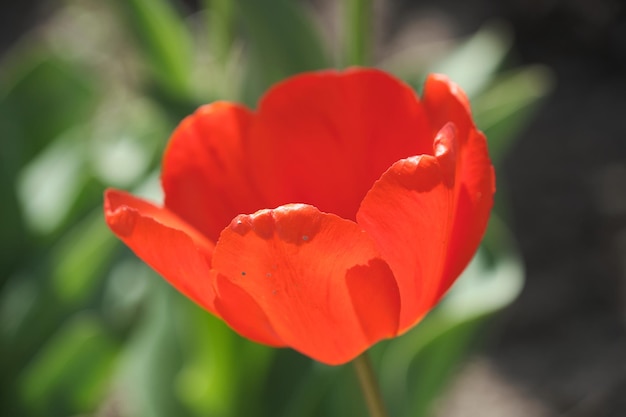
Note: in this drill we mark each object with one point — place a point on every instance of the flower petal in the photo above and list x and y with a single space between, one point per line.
444 101
205 176
317 278
161 239
324 138
421 221
243 313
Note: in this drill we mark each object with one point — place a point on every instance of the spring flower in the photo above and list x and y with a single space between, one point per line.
335 215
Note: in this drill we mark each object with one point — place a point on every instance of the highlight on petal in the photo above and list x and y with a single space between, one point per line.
324 138
319 282
445 102
410 213
205 169
476 178
170 246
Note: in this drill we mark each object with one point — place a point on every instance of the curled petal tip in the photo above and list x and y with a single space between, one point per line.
120 217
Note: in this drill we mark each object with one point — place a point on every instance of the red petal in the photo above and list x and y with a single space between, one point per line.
243 313
318 280
474 202
324 138
169 245
204 169
445 102
419 218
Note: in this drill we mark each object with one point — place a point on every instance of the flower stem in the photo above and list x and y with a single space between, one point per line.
369 385
358 30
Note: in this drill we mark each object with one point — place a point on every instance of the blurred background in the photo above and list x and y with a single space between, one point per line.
91 90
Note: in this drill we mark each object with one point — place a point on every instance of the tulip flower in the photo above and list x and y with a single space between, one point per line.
334 216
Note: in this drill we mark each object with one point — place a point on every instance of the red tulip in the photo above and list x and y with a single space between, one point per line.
381 201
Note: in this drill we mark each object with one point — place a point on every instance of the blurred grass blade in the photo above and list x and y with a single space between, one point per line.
282 42
166 42
220 367
358 36
40 99
70 373
474 63
416 367
434 365
32 303
14 239
79 258
152 359
345 396
222 66
127 142
310 392
507 105
221 28
48 185
207 383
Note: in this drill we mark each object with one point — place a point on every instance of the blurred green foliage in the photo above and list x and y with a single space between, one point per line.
85 328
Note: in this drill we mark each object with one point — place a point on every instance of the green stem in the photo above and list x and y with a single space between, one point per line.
358 35
369 385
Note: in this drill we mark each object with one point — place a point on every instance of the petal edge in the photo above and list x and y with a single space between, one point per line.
162 240
303 268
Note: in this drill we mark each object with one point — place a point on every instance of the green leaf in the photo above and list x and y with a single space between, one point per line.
127 142
221 19
152 359
166 42
43 97
80 258
50 183
282 42
434 365
474 63
207 383
70 373
310 391
417 366
220 367
507 105
358 36
14 237
345 396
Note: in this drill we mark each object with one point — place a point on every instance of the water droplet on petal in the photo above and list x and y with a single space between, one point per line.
240 224
305 238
